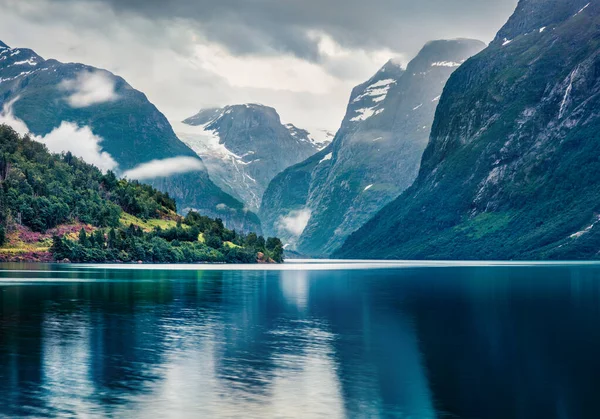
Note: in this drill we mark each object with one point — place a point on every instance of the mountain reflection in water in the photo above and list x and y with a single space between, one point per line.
356 340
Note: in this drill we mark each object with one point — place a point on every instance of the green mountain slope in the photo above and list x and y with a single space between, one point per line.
512 169
373 158
94 217
132 130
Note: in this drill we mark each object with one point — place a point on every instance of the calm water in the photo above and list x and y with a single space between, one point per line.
334 341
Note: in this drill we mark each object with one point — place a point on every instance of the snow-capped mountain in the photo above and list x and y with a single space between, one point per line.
511 169
375 155
245 146
99 117
320 138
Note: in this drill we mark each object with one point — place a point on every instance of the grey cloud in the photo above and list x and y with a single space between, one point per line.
276 26
153 44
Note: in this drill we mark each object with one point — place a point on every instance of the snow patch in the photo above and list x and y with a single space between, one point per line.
584 7
24 73
327 157
378 91
542 29
382 83
321 138
506 41
446 64
367 188
31 62
417 107
204 141
585 230
435 99
365 113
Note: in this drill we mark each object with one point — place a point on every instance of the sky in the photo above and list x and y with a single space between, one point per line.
300 56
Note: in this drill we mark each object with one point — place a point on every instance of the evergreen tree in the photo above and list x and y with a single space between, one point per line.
83 239
112 239
99 239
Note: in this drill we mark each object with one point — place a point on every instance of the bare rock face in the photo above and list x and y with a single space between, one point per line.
511 170
315 205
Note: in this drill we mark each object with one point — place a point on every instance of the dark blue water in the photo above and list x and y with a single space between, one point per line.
402 341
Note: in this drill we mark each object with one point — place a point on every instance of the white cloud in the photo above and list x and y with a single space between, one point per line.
181 67
295 222
7 118
90 88
80 141
181 71
165 167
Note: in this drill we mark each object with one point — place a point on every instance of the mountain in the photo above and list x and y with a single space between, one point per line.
99 117
511 170
245 146
89 216
375 155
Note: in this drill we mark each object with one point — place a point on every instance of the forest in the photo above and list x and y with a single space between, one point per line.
41 193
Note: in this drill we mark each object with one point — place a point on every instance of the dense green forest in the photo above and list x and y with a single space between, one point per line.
40 192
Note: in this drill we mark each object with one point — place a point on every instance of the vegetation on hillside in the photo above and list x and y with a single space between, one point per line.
117 220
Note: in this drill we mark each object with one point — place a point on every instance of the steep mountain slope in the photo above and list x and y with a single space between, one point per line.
57 207
125 129
375 155
511 171
245 146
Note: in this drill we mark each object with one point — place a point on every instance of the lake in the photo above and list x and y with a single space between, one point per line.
301 340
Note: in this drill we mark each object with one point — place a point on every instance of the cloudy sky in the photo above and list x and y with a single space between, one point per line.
300 56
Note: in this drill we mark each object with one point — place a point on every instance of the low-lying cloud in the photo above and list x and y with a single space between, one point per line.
301 57
80 141
7 118
90 88
164 168
295 222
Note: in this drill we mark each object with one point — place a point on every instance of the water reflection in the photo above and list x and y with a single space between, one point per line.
421 342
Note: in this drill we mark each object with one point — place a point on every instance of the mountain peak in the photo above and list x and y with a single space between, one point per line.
211 115
253 108
445 53
245 146
535 14
393 68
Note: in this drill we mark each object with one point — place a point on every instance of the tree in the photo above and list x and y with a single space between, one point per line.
273 242
252 239
112 239
2 235
213 240
60 249
83 239
260 244
99 239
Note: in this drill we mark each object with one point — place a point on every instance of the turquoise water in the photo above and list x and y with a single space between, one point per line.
440 340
